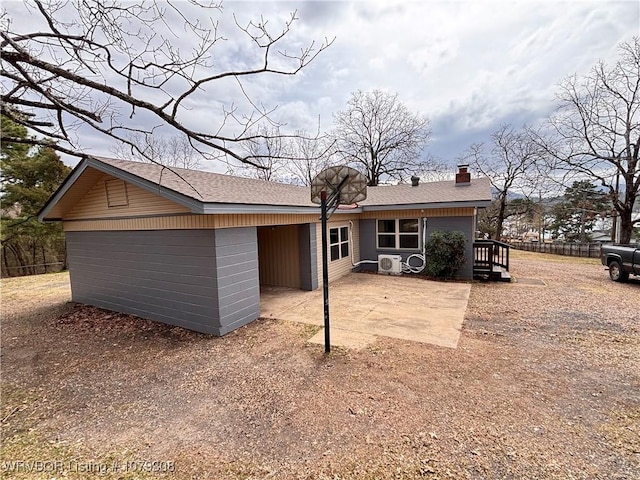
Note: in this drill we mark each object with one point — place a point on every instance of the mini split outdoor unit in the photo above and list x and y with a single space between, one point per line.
390 264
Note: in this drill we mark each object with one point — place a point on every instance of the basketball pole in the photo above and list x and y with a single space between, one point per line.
325 271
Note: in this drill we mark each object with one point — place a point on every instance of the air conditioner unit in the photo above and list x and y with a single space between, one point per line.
390 264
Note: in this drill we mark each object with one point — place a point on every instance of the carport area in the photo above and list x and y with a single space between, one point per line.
363 306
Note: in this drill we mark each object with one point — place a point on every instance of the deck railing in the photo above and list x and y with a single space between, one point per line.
488 254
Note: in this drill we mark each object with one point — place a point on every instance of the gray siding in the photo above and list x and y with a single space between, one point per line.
203 280
238 293
368 249
368 244
464 225
308 257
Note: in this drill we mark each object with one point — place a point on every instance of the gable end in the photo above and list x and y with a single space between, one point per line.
112 197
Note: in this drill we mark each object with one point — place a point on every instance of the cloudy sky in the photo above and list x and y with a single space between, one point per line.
467 66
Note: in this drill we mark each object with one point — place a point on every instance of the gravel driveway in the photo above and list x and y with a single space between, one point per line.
544 383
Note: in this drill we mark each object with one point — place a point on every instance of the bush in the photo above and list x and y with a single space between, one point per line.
445 253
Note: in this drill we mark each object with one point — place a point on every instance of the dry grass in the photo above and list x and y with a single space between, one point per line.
544 384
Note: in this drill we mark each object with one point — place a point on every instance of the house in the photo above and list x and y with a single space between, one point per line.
192 248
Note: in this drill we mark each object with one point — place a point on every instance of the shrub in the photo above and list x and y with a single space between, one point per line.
445 253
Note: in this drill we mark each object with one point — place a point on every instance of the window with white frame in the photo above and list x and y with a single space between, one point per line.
399 234
339 242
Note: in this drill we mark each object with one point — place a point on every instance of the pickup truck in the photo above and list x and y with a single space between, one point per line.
621 260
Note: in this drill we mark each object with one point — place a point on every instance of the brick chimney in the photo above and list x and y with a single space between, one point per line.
415 181
463 177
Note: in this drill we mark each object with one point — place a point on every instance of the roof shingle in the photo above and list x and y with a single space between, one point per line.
209 187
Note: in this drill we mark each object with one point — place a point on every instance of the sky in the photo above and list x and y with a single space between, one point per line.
469 67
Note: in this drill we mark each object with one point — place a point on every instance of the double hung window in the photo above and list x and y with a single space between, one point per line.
399 234
339 242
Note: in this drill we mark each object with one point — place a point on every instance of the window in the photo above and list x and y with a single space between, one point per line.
399 234
339 242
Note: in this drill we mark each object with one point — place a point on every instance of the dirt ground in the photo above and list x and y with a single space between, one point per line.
545 383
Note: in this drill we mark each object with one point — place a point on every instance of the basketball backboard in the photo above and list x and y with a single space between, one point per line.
353 190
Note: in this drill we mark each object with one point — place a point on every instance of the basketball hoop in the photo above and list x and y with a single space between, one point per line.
353 190
332 187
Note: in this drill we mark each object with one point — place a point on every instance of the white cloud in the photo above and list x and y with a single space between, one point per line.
467 65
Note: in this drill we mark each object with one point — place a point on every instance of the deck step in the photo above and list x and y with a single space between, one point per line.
494 273
500 274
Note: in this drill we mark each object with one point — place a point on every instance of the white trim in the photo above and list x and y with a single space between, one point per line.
341 241
397 234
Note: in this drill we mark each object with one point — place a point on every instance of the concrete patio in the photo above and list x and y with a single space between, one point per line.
363 306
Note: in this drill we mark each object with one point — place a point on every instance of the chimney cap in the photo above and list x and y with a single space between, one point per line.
415 181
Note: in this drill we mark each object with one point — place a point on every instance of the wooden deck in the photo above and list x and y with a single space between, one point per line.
491 261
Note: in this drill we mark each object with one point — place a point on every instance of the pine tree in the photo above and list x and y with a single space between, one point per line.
576 215
29 176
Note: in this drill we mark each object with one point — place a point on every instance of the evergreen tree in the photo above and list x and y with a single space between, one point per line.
576 215
29 176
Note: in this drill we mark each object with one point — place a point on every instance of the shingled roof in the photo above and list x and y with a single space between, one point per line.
208 192
209 187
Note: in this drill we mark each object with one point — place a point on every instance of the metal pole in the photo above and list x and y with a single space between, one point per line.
325 271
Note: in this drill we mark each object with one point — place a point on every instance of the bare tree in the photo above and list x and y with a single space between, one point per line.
489 217
509 162
309 156
595 134
174 151
378 135
295 159
118 69
268 148
434 170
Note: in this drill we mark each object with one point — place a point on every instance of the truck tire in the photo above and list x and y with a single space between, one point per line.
616 273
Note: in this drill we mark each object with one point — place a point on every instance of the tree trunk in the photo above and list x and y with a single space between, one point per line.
500 219
6 261
44 257
34 256
626 227
16 249
625 215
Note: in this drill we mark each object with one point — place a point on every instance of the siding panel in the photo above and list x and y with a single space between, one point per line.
279 255
237 277
126 200
185 221
150 285
308 257
368 243
466 226
427 213
341 267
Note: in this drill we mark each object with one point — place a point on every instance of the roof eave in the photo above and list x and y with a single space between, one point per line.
242 208
426 206
199 207
195 206
62 189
